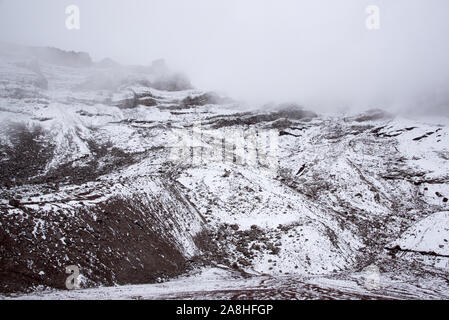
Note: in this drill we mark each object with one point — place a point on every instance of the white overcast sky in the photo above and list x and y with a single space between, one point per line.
316 52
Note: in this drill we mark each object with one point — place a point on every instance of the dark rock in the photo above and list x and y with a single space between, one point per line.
14 203
201 100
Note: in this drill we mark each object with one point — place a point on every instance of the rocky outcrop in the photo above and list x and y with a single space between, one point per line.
60 57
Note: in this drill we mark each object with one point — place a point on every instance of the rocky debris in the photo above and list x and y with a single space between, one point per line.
286 133
130 99
226 173
25 156
284 124
414 177
280 119
111 250
428 134
14 203
303 167
147 101
88 168
85 113
201 100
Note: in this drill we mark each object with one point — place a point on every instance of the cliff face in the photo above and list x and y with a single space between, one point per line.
95 172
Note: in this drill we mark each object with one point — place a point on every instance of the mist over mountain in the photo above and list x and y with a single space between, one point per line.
315 53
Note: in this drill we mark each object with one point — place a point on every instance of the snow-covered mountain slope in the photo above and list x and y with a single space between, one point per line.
135 177
428 236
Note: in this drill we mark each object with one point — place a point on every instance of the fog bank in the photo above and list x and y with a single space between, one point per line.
318 53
